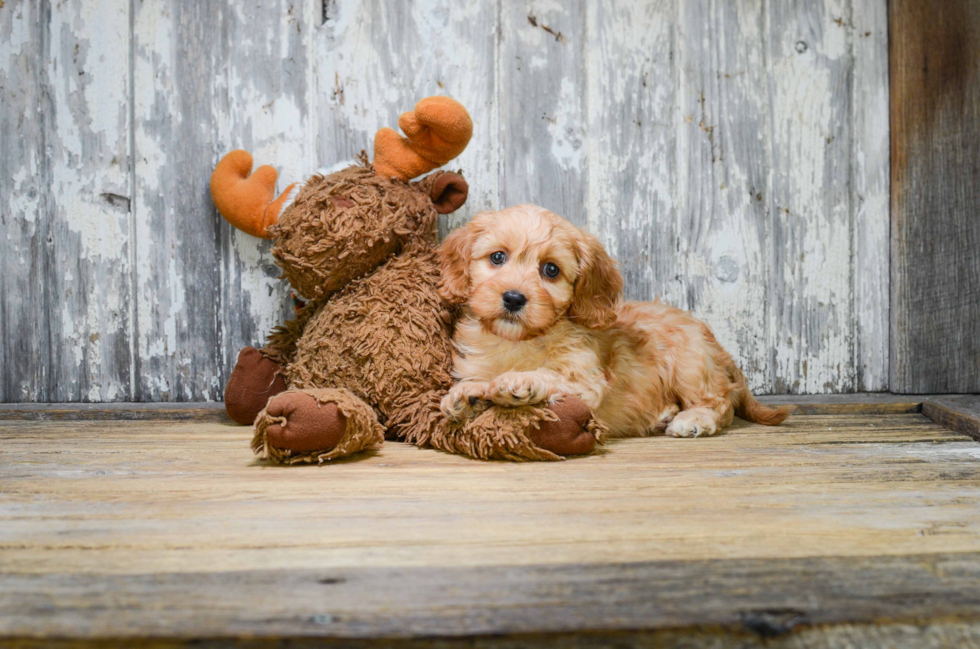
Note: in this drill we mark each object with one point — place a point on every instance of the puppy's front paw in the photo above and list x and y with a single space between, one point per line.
519 389
692 423
464 401
664 419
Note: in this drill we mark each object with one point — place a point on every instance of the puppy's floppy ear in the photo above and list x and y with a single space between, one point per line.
455 255
597 288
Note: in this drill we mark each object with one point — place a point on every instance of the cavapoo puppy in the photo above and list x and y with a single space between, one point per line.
542 318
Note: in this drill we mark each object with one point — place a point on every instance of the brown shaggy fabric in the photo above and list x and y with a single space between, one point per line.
321 245
375 338
509 433
363 249
497 434
386 337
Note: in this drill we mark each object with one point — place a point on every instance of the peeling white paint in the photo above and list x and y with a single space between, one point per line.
566 134
366 80
88 143
870 193
21 201
677 132
13 40
812 334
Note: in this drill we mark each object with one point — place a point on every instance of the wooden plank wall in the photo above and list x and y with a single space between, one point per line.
732 155
935 210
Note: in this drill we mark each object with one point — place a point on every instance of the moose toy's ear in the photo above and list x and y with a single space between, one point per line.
449 191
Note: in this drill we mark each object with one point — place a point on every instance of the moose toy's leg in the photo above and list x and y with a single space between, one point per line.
570 433
523 433
315 425
253 381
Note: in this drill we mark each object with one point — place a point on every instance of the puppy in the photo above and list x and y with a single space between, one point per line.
542 318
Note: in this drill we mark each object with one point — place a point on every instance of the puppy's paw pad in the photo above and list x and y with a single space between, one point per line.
668 414
690 427
512 391
454 407
462 403
683 430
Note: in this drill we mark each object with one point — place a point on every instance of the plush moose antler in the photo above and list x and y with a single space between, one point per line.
246 201
435 132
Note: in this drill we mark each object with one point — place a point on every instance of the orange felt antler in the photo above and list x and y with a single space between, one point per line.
436 132
246 201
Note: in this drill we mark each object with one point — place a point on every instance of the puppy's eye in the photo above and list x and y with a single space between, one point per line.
550 270
498 258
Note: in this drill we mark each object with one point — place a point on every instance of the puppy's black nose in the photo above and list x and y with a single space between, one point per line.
514 301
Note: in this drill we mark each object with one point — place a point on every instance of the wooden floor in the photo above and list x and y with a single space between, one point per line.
162 530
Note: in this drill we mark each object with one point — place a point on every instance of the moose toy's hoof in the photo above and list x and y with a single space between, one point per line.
568 435
254 379
310 425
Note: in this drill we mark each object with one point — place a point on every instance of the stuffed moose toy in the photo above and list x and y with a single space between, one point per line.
369 355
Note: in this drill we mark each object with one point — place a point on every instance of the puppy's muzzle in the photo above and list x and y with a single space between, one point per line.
514 301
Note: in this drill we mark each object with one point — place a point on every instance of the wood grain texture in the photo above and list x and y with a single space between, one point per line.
24 350
680 133
709 603
187 410
819 404
810 247
166 532
724 165
265 104
66 298
543 125
177 61
632 171
87 143
209 78
870 194
159 496
935 171
956 412
839 404
404 52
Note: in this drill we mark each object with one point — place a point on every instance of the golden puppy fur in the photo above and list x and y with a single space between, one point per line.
643 367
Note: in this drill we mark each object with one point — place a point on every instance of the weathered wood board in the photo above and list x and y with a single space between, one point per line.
208 78
66 301
832 530
916 602
935 206
188 495
732 155
24 246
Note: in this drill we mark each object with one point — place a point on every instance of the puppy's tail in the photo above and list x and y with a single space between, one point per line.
750 409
